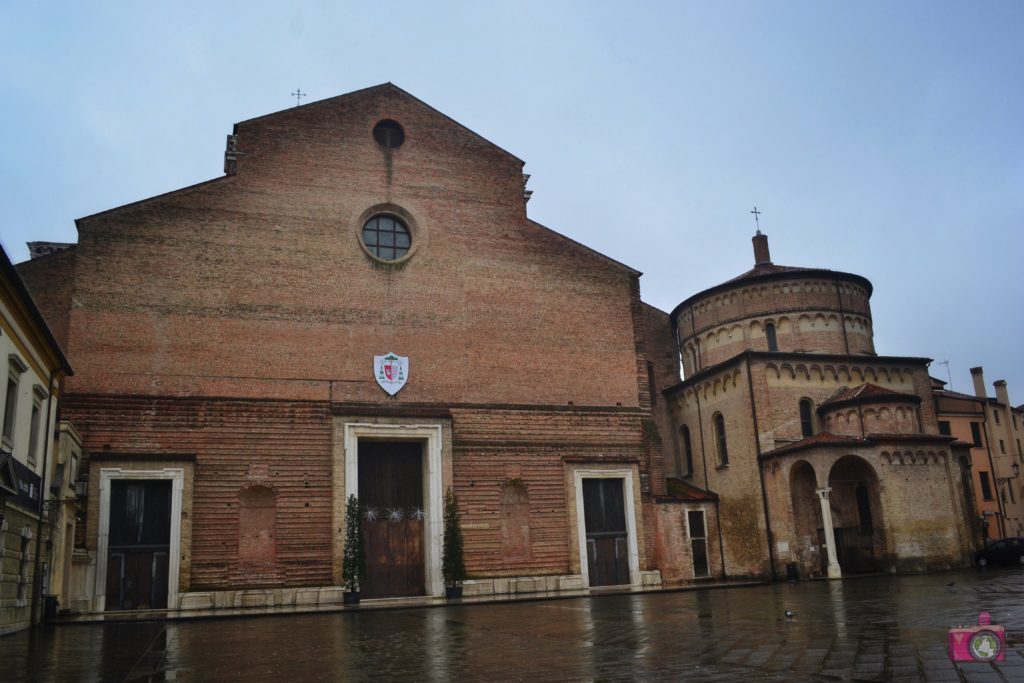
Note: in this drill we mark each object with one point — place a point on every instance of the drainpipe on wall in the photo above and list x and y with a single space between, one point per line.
37 579
760 471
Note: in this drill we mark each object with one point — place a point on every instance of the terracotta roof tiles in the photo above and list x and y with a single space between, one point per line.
684 491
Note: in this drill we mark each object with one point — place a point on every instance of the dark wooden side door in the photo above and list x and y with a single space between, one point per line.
604 512
139 543
391 493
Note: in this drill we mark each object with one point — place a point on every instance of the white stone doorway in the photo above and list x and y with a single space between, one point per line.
433 492
109 475
605 492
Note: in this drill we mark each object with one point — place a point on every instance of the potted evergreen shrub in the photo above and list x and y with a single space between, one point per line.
453 567
353 562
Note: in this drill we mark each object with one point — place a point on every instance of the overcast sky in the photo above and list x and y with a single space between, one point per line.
883 139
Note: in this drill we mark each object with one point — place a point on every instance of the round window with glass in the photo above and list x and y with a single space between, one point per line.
386 237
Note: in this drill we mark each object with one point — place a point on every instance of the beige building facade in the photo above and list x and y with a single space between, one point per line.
826 458
34 367
1003 431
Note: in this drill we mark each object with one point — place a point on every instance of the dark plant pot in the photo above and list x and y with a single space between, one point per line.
351 598
453 592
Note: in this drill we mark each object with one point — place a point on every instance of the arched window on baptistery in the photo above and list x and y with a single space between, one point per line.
686 451
720 441
769 333
806 417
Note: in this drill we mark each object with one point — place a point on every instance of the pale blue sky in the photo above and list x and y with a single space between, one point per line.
884 139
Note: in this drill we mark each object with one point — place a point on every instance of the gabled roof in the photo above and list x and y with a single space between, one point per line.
683 491
866 393
383 87
330 101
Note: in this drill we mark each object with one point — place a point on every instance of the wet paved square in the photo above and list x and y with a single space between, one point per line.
868 629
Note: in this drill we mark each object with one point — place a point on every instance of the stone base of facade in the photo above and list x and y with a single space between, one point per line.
333 595
520 585
269 597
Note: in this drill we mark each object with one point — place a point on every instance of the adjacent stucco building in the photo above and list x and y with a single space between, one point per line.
34 368
994 428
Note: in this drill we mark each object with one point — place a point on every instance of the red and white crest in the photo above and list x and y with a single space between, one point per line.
391 372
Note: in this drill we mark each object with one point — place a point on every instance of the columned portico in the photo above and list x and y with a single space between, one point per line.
834 571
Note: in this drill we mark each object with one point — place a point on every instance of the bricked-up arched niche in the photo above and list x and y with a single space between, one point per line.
515 520
257 527
803 485
856 515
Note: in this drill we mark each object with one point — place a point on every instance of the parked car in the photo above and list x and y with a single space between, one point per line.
1005 552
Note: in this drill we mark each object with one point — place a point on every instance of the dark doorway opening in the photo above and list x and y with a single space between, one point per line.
698 542
139 543
604 513
391 494
856 516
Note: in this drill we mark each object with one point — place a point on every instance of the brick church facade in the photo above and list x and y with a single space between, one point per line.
230 388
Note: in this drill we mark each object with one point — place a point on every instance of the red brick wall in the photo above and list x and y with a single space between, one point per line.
227 319
492 447
255 285
49 279
283 445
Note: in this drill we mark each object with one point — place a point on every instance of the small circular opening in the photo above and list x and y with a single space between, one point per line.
386 237
388 133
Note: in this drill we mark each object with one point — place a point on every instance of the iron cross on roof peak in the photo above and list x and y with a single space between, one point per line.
757 223
298 95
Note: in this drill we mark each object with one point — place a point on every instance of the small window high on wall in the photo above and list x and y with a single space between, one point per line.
720 442
806 417
687 449
769 333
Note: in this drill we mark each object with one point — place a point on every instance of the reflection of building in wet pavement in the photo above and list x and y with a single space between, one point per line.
871 628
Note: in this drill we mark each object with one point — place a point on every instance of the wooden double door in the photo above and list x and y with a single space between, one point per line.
391 494
139 544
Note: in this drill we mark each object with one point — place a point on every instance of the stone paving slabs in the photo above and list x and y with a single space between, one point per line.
861 629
